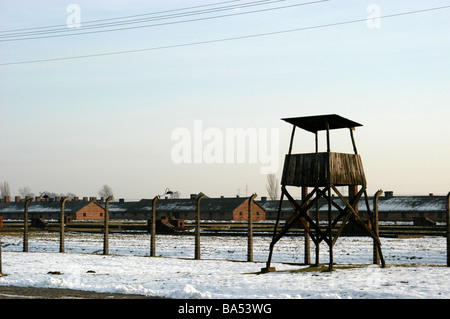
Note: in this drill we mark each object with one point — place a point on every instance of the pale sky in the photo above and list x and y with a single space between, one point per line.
73 125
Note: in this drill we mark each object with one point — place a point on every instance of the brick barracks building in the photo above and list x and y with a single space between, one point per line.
391 208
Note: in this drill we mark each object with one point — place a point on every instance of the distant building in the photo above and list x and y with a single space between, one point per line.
50 210
390 208
235 209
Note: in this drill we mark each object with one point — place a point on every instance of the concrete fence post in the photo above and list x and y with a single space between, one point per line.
250 228
448 229
153 229
25 225
376 254
63 217
1 257
197 229
1 225
106 227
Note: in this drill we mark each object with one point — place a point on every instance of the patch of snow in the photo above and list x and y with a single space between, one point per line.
415 267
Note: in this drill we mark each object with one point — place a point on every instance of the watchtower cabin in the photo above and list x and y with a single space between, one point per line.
323 172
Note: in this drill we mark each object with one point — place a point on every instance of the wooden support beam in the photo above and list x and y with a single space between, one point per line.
355 215
353 140
299 211
361 223
317 234
328 137
348 212
277 223
302 220
317 142
292 140
306 225
330 235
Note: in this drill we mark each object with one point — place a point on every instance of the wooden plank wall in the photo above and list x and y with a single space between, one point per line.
346 169
320 169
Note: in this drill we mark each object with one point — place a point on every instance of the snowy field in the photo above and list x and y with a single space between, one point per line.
416 267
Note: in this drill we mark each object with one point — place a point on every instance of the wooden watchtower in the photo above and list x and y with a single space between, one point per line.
323 172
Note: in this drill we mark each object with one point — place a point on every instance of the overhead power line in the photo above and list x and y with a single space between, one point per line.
64 31
224 39
124 17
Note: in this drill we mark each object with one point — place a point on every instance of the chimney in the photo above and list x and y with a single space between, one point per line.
93 199
389 194
121 200
85 199
264 198
193 196
75 199
37 199
221 196
17 199
7 199
57 199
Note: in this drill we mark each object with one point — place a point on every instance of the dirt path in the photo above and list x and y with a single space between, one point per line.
11 292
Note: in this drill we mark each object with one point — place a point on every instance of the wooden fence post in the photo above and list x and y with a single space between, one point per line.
63 217
197 229
448 229
250 228
25 225
106 228
153 230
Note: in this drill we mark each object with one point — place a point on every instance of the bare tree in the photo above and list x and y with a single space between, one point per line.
105 191
4 189
25 191
71 195
54 194
272 186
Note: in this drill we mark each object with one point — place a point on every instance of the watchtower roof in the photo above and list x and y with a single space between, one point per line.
319 122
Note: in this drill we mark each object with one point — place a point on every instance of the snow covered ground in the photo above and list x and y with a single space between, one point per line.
416 267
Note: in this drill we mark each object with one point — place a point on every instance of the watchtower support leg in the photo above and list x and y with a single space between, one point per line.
307 241
330 236
299 212
317 233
